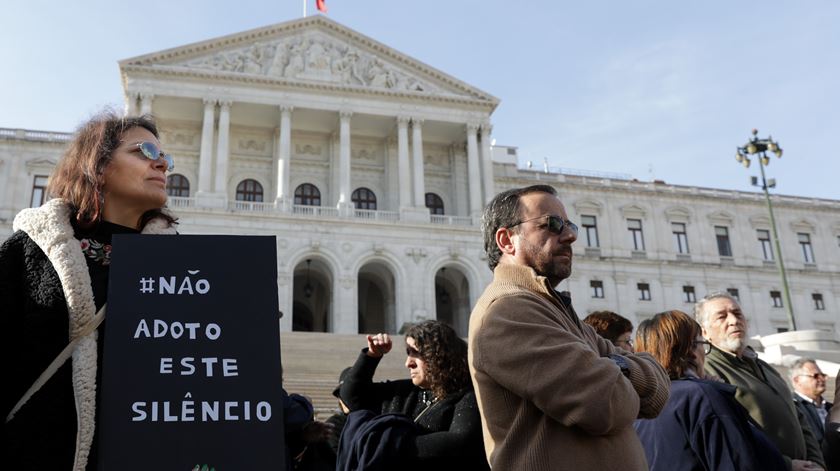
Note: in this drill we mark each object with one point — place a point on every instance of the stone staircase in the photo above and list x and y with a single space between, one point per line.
312 362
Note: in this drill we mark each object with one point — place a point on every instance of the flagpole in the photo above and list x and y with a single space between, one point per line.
304 8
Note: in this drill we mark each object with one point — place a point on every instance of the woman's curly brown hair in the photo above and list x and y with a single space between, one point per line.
445 355
79 175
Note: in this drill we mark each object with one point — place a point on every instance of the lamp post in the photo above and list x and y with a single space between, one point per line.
759 147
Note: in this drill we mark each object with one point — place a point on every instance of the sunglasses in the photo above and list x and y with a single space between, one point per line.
707 346
816 376
555 224
153 152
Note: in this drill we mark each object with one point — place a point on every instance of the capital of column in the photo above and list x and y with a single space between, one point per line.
417 122
472 128
486 128
225 103
146 96
403 120
209 101
345 114
286 108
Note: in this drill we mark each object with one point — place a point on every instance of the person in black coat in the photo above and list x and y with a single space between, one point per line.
831 440
702 426
809 384
54 278
438 397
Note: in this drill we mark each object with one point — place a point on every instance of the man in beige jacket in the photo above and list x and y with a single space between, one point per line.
553 395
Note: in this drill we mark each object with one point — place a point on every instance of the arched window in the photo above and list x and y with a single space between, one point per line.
363 198
434 203
307 194
177 185
249 190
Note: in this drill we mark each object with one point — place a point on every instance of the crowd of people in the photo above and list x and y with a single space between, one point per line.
536 387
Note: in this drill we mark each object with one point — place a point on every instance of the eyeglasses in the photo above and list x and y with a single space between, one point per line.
153 152
556 224
707 346
816 376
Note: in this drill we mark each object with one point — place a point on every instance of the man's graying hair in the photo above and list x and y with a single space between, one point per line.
699 308
798 367
503 211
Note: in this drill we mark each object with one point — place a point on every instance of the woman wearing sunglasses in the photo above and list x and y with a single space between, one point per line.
438 398
53 280
702 426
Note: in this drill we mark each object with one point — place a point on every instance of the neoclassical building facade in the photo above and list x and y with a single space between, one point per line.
371 169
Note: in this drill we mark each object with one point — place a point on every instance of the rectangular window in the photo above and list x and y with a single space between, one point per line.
636 238
722 235
597 288
644 291
590 228
680 237
819 305
764 241
688 294
39 191
734 293
776 298
807 250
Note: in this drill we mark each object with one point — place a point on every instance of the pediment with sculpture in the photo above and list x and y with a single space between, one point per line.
314 57
312 50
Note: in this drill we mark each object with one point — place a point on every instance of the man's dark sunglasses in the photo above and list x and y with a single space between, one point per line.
556 224
153 152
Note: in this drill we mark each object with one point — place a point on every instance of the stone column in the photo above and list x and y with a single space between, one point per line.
222 149
417 158
205 160
344 202
131 104
473 170
346 306
146 103
487 162
284 155
403 165
9 208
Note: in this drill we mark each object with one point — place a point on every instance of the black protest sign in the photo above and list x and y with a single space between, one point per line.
191 366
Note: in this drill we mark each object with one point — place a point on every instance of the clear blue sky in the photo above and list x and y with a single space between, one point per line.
660 89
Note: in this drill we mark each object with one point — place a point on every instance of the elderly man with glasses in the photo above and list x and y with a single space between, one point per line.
553 394
761 390
808 387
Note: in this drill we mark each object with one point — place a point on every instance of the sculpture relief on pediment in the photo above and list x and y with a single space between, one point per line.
310 151
367 155
436 159
179 138
253 145
314 57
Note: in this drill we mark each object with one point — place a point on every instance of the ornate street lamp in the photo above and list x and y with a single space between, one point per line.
759 147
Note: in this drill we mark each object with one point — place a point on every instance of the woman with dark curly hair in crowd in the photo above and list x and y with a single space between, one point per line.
702 425
54 279
611 326
438 397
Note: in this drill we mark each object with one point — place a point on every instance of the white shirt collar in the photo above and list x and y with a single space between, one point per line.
819 404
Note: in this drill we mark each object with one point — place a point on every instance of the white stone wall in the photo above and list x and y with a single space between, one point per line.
300 70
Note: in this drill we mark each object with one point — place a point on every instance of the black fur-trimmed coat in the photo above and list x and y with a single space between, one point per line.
46 300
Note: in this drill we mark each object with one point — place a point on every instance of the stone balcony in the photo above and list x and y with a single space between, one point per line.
327 212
